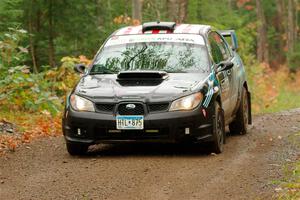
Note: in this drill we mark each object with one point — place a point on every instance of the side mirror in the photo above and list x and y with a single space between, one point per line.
234 45
224 65
79 68
231 38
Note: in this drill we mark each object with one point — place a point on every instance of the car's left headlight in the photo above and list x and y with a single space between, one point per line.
81 104
187 103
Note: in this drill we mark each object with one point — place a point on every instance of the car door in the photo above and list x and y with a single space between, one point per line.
218 54
232 73
234 77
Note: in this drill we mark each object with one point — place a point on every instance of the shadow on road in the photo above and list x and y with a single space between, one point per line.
153 149
150 150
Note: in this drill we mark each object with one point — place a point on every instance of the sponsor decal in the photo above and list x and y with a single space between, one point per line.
176 38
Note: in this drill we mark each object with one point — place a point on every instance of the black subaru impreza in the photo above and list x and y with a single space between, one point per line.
159 82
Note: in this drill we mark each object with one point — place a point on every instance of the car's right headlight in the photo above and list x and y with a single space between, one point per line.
81 104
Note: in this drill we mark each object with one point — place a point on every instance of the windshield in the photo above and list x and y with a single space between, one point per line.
172 57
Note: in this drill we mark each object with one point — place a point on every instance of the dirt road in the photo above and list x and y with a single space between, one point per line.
44 170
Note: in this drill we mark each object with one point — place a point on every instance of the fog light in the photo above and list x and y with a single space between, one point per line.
78 131
187 131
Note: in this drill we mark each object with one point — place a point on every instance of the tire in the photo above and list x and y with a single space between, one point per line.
77 149
240 124
218 130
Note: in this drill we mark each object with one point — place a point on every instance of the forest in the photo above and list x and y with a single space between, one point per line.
40 40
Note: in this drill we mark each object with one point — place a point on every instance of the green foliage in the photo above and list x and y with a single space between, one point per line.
25 91
294 59
11 13
12 53
21 90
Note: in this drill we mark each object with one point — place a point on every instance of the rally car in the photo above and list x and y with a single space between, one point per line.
160 82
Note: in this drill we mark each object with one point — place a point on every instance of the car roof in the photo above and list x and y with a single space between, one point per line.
178 29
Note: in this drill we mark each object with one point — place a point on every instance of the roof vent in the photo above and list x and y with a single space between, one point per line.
167 26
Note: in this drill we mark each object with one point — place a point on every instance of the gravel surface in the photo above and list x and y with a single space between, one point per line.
246 169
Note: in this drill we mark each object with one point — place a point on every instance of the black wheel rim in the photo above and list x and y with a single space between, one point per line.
219 131
245 111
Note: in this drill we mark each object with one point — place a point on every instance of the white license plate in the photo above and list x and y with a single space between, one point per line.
130 122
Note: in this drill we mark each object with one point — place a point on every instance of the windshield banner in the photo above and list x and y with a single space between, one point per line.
176 38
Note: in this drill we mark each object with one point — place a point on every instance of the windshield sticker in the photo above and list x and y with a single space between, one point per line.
176 38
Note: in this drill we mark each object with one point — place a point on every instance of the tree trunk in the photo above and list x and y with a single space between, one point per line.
137 10
172 9
51 50
183 6
290 26
262 40
32 49
98 10
177 10
279 25
296 20
231 4
155 6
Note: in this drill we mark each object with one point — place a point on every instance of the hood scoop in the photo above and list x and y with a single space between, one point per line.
141 78
142 75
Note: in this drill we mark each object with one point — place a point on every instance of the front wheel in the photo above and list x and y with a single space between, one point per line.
76 149
240 124
218 130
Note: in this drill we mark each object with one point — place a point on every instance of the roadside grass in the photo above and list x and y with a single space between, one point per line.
286 100
273 91
289 187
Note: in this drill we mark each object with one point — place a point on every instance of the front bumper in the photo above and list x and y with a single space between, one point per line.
165 127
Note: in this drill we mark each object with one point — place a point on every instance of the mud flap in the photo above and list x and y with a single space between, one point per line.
249 107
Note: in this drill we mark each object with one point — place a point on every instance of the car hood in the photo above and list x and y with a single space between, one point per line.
106 88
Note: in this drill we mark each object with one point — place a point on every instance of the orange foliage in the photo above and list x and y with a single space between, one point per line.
246 4
265 92
126 20
84 60
42 126
267 85
294 86
249 7
241 3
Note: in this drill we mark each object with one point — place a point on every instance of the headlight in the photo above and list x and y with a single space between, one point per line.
187 103
81 104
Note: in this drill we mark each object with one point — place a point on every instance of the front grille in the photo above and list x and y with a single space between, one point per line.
158 107
137 110
107 108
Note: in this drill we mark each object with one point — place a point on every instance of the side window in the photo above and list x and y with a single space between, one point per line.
219 48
